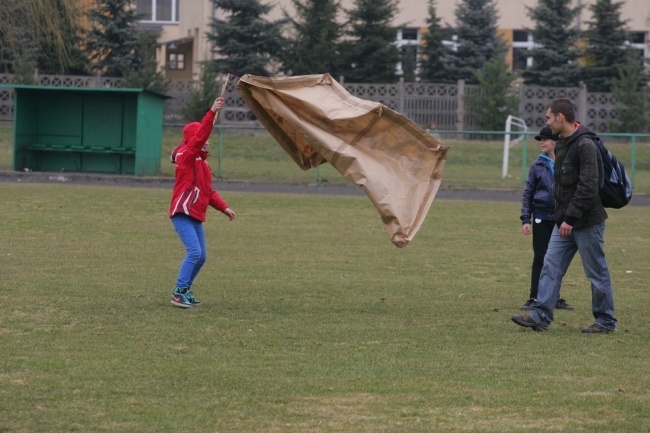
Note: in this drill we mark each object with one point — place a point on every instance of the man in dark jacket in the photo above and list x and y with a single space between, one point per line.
579 224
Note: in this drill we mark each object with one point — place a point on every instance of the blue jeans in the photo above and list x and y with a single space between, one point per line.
191 233
589 241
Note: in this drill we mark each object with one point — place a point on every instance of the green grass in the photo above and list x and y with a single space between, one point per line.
6 146
256 157
312 321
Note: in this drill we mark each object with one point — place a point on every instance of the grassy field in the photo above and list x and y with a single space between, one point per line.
312 321
255 156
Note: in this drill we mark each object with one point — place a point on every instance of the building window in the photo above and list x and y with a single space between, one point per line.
407 35
520 36
519 59
637 41
176 61
165 11
408 39
522 42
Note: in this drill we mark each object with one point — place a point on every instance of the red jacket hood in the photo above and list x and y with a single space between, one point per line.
189 131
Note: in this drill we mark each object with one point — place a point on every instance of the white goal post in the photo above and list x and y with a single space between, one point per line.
509 142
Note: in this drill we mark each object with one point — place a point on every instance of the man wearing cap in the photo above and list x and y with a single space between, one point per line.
538 211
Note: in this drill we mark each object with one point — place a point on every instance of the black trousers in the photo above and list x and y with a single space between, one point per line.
541 236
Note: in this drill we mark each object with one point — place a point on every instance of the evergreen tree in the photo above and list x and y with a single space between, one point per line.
556 31
496 99
633 99
478 40
203 96
113 42
313 48
605 52
245 42
370 55
144 72
432 65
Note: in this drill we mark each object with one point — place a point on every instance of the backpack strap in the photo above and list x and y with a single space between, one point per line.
573 150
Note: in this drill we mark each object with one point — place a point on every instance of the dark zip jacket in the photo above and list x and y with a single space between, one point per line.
539 195
578 180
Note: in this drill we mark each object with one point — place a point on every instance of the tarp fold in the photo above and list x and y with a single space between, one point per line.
315 120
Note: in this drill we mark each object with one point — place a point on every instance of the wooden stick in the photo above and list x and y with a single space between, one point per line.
225 84
223 91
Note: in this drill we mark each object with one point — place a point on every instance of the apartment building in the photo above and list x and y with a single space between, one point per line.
183 25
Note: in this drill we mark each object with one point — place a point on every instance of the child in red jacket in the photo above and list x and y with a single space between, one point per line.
190 199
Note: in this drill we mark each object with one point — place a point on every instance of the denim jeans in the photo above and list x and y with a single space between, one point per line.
589 242
191 233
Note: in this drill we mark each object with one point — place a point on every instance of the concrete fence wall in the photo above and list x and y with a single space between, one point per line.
424 103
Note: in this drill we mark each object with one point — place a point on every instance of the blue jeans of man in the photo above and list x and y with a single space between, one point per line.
589 241
193 238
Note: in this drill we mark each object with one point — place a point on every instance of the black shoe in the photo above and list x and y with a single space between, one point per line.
562 305
527 322
529 304
596 329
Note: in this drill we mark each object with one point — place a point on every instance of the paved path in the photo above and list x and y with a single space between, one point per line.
223 185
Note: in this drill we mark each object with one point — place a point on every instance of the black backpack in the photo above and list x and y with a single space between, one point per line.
616 191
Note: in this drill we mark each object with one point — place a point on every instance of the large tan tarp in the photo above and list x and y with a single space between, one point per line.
397 163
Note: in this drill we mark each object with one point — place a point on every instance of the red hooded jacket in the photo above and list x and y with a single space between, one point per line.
193 188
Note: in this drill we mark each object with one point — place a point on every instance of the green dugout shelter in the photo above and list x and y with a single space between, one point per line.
102 130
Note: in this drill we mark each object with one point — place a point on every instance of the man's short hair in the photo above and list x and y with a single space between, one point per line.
565 107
